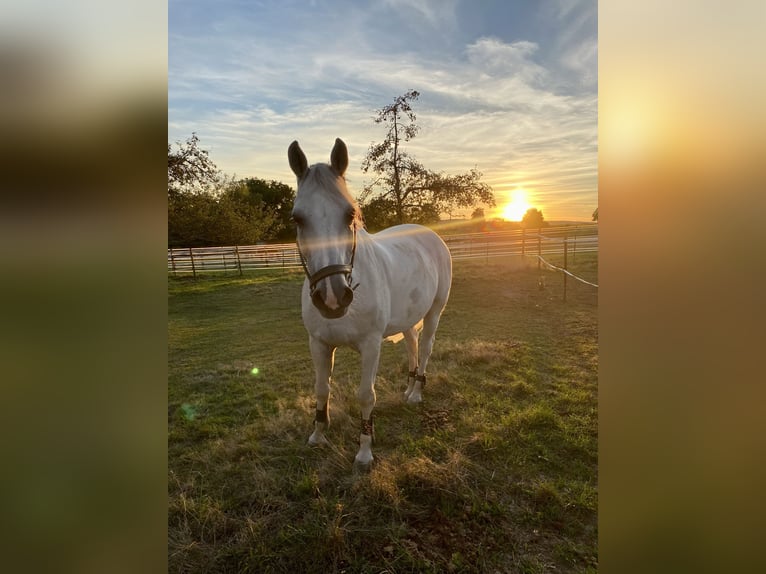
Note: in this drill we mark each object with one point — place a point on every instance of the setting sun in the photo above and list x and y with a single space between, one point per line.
515 209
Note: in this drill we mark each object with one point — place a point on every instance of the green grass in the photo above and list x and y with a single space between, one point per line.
495 471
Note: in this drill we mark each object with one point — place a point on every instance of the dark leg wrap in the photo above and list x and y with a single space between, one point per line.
367 427
321 416
422 379
412 374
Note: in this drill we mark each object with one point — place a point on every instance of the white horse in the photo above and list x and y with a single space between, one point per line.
361 288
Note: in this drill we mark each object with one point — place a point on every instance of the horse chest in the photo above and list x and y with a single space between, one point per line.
347 331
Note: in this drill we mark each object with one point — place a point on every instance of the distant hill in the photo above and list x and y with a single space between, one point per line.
458 226
563 223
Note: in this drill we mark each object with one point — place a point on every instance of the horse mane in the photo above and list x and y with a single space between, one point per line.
326 178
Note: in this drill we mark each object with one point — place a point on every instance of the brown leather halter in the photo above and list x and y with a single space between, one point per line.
327 271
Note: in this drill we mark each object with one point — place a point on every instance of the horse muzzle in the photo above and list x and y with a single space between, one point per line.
332 297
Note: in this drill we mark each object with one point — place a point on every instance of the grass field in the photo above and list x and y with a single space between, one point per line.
496 471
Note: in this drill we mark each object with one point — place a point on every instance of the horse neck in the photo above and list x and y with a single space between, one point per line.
364 246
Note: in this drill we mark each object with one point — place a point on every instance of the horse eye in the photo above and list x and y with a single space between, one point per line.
297 219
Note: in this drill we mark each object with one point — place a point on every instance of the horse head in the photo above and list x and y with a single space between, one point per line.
326 219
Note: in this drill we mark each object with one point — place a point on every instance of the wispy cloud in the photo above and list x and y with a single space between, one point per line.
437 13
496 104
493 55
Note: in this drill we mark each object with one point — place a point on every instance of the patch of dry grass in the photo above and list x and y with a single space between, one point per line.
494 471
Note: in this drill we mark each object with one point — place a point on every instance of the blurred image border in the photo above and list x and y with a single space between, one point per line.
84 292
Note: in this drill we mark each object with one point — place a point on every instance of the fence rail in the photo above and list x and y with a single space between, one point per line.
238 258
551 240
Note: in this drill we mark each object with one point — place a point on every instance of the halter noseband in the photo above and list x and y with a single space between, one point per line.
327 271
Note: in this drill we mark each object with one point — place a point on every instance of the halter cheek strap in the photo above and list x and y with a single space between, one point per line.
329 270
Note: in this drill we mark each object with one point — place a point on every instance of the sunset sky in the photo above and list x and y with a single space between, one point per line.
507 87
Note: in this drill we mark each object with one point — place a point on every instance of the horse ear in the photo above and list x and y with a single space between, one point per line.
339 157
297 158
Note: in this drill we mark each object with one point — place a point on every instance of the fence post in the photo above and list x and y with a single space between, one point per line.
565 268
172 261
239 263
574 247
523 239
539 249
191 256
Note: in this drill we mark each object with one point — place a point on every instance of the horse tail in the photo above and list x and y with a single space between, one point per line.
395 338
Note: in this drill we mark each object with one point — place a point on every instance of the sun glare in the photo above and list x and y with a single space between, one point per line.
515 209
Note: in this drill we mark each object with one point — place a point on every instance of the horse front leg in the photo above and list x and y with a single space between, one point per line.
322 355
370 352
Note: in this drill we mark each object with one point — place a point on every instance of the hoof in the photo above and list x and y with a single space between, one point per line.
318 440
414 399
363 467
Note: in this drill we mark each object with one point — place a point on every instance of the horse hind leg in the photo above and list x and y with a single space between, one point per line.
430 323
411 342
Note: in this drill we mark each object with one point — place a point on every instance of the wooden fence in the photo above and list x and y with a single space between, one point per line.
546 241
238 259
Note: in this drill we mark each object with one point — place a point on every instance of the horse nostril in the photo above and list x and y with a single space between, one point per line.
348 296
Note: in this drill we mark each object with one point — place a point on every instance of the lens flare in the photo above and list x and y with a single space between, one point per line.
189 412
254 371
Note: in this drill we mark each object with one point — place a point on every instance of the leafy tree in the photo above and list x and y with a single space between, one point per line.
188 215
276 197
378 213
189 167
214 217
533 219
206 209
478 213
240 219
595 215
413 193
424 214
385 158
